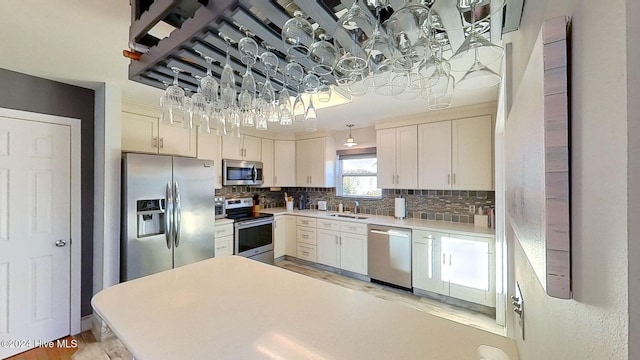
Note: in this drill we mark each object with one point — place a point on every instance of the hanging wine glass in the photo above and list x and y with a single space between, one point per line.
285 110
208 84
324 55
199 109
270 62
475 48
478 76
227 79
310 117
217 116
405 30
187 117
248 49
324 92
247 98
260 110
295 73
297 35
172 101
441 97
380 54
349 38
299 108
448 15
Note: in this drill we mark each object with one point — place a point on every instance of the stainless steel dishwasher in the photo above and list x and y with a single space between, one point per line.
390 255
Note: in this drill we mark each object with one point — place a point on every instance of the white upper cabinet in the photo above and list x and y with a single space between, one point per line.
397 152
456 154
244 148
266 156
210 148
434 155
471 153
284 160
315 162
145 134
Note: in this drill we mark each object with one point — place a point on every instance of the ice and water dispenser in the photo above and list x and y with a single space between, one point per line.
150 217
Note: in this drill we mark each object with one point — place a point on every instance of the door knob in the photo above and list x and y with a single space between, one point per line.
61 243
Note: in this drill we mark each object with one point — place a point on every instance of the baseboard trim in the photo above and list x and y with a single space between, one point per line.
86 323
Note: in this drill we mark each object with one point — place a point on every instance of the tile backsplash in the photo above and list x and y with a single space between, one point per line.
444 205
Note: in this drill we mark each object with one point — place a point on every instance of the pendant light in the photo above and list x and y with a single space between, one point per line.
350 141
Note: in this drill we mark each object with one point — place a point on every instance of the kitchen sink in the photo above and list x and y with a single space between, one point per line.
349 216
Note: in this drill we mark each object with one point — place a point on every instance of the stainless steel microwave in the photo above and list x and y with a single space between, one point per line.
239 172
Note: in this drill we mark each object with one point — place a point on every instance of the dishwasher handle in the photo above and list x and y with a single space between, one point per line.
389 233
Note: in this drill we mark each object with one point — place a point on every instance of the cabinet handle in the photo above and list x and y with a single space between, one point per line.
305 236
449 259
340 240
454 179
397 179
155 142
444 259
161 143
275 179
393 179
305 253
448 179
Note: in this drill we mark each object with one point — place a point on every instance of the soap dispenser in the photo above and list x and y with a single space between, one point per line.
340 207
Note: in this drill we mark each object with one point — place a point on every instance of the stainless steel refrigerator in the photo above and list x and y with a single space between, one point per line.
167 213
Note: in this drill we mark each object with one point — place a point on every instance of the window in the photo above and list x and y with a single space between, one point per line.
358 174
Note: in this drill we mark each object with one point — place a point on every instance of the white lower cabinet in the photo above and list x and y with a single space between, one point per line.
284 236
458 266
224 240
328 247
343 245
306 238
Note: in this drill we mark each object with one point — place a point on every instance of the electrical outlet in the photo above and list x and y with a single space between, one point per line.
472 209
518 307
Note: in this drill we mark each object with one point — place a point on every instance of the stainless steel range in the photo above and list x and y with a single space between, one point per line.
253 231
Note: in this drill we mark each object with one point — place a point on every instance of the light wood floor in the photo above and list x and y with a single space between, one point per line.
431 306
112 349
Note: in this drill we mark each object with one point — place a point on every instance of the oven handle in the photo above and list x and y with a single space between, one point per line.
252 223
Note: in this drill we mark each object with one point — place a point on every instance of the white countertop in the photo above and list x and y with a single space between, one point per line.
224 221
412 223
235 308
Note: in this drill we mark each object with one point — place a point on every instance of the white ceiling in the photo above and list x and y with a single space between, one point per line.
81 41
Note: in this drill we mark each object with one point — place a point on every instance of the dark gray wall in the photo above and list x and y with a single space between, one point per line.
28 93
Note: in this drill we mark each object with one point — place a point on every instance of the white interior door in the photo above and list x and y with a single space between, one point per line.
35 218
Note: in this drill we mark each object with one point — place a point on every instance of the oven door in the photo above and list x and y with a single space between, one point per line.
254 237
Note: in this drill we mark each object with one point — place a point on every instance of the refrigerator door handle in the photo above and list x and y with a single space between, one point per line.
168 214
178 214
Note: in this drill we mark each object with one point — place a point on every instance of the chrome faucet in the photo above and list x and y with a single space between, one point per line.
355 207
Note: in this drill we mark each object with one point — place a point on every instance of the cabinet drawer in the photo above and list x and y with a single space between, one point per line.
328 224
306 221
354 228
224 230
427 237
306 235
224 246
307 252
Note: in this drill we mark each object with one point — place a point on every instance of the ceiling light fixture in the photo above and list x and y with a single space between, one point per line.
350 142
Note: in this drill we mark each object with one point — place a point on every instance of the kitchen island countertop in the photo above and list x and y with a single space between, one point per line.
235 308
